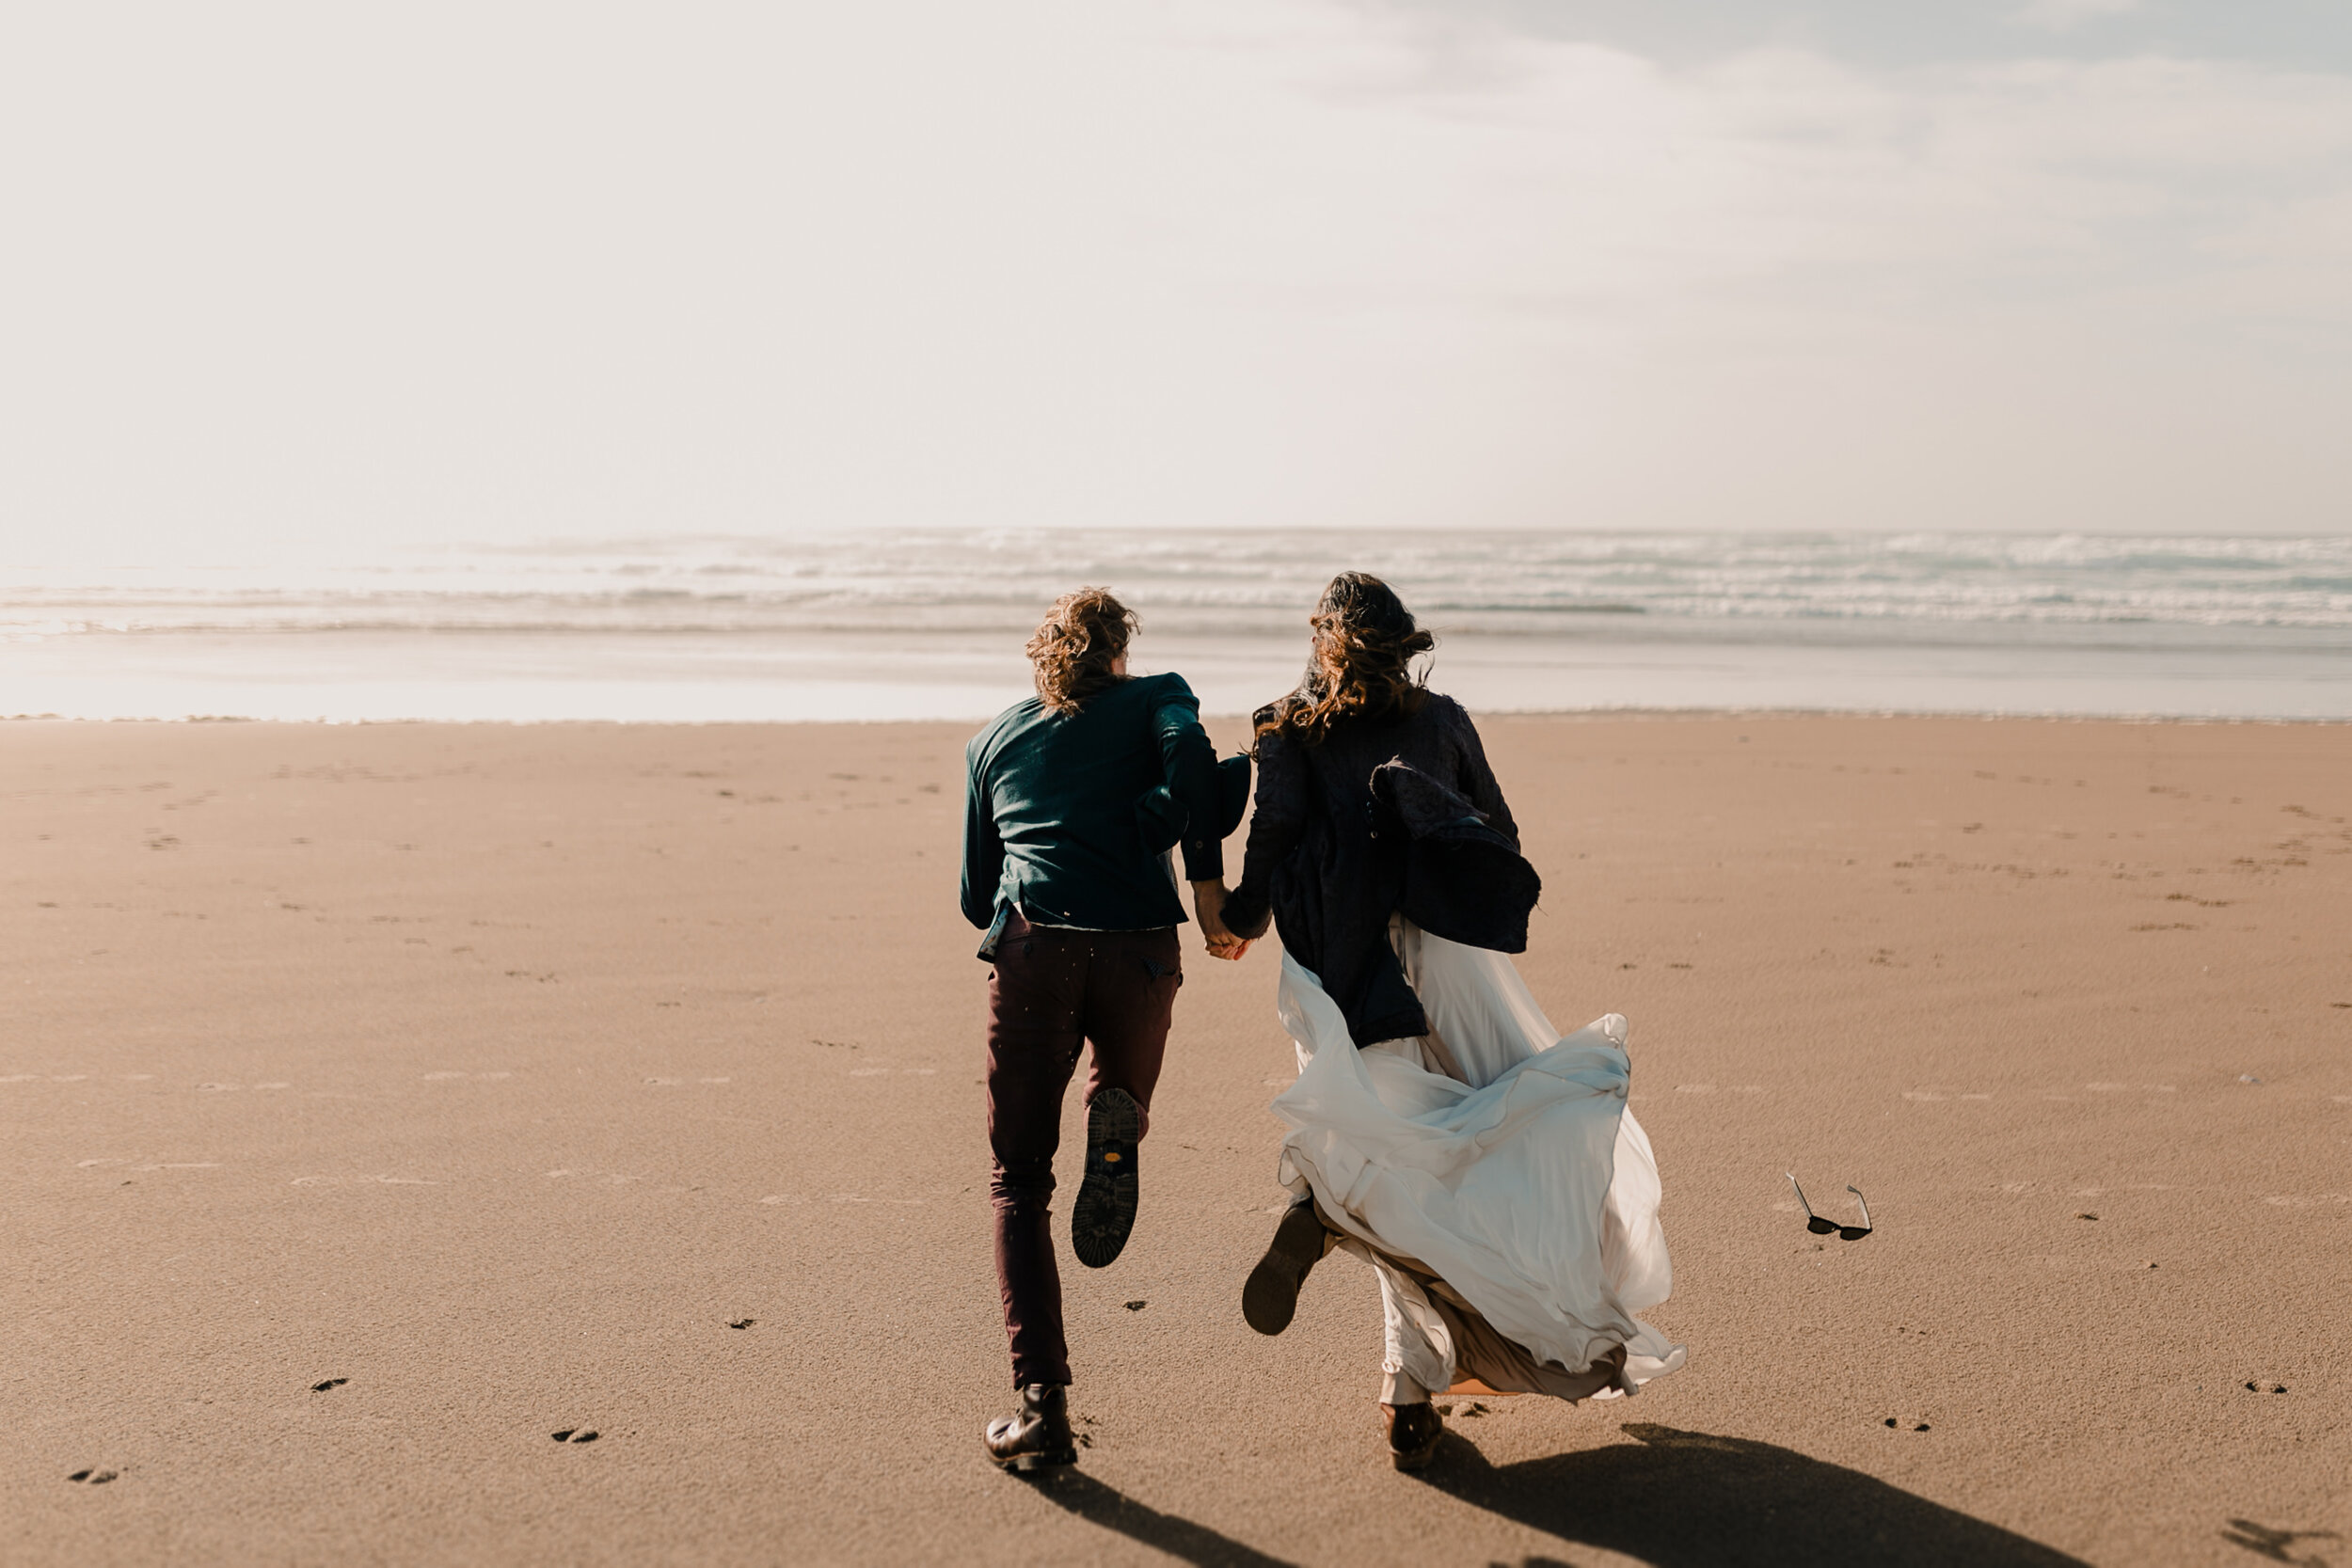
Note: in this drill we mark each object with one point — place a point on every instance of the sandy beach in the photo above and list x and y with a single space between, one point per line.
379 1100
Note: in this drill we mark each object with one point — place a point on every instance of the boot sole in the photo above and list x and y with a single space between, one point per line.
1104 1213
1270 1297
1030 1464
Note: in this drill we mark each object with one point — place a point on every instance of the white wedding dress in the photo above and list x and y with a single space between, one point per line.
1522 1194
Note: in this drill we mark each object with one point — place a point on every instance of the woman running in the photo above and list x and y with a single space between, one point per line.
1440 1128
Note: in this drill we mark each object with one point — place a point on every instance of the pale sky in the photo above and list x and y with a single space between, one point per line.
323 278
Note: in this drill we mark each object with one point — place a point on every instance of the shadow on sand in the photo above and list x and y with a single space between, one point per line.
1112 1509
1675 1499
1685 1499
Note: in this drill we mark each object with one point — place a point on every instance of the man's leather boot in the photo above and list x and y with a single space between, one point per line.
1039 1437
1270 1297
1104 1212
1413 1434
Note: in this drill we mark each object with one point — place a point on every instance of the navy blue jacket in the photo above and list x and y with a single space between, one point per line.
1316 867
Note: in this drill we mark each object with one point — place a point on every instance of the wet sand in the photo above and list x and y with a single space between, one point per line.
515 1081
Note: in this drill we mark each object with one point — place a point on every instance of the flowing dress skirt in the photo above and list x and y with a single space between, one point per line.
1491 1172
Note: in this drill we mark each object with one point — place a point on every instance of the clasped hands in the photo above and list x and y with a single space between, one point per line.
1207 907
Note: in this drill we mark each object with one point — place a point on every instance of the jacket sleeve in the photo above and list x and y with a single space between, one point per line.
1478 781
1275 829
983 850
1189 763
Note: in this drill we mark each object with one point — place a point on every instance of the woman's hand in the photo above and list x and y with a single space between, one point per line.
1208 903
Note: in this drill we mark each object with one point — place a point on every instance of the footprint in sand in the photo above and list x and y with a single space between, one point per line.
575 1434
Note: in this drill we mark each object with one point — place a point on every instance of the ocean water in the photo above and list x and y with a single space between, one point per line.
929 625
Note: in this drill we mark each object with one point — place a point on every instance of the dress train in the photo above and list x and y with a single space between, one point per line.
1491 1172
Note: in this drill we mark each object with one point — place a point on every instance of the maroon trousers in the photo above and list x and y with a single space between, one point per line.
1051 989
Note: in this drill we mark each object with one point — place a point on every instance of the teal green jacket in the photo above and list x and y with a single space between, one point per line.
1069 816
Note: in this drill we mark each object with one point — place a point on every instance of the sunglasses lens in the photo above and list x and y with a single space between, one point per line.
1821 1227
1852 1232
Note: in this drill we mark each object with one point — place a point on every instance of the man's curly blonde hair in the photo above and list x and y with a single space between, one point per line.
1077 644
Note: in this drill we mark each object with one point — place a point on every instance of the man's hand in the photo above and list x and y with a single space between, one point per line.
1208 905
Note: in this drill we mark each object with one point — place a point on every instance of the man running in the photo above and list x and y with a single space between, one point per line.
1074 798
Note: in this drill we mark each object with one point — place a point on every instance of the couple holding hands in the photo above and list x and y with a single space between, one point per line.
1483 1164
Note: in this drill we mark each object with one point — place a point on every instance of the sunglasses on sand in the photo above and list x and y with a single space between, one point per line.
1821 1227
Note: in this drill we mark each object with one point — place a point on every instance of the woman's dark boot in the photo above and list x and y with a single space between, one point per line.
1039 1437
1413 1434
1270 1297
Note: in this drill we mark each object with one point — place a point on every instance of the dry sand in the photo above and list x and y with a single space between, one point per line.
624 1079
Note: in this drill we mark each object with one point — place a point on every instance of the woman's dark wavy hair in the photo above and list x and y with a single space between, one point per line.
1075 645
1361 665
